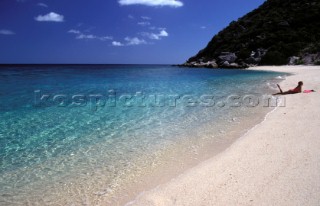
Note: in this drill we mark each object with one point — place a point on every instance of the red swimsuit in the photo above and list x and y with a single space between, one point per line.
295 90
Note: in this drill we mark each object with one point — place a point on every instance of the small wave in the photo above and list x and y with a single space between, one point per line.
281 77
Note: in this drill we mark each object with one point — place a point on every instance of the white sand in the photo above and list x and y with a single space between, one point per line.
276 163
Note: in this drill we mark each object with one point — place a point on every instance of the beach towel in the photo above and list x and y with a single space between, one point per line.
308 91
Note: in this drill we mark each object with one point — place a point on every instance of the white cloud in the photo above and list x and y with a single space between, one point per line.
53 17
145 18
105 38
91 36
85 36
154 36
6 32
72 31
163 33
144 23
129 41
130 16
171 3
157 28
42 5
203 27
137 41
134 41
80 35
116 43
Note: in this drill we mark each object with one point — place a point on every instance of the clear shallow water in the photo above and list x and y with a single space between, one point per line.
85 149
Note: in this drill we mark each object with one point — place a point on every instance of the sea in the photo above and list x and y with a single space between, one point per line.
83 134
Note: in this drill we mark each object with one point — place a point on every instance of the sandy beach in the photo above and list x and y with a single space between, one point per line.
275 163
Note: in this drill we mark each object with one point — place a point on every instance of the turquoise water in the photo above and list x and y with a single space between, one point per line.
95 125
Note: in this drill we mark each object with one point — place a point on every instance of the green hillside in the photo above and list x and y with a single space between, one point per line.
279 32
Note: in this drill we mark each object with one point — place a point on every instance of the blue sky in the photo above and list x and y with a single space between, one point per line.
112 31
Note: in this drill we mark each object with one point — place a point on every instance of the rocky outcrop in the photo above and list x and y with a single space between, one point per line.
294 60
200 64
256 56
231 61
228 60
284 24
213 64
311 59
227 57
306 59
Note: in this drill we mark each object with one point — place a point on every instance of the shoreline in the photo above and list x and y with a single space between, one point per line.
216 153
182 157
170 168
200 185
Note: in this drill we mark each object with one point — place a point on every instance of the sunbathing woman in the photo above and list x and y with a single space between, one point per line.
296 90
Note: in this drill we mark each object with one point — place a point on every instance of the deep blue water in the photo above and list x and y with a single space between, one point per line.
105 116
